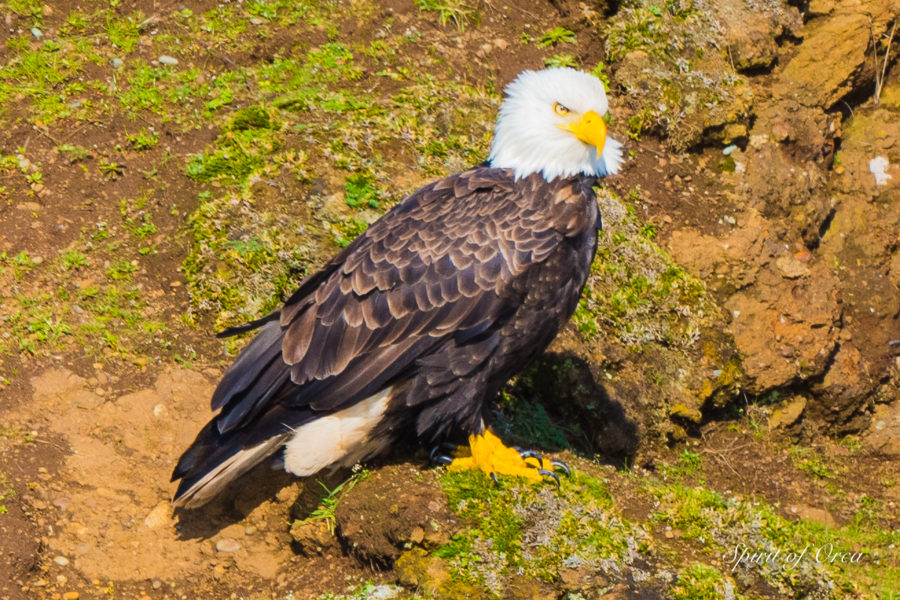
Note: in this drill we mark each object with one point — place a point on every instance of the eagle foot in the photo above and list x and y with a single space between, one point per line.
491 456
442 453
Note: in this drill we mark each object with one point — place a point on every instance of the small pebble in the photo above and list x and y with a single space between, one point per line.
729 149
256 21
61 560
227 545
37 33
117 63
167 60
250 531
71 596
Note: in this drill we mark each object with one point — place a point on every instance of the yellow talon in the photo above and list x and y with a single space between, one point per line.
492 457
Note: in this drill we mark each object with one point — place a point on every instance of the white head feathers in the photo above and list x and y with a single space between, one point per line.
534 128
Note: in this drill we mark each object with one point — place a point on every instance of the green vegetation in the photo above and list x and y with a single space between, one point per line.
96 307
308 116
307 144
366 591
6 492
677 82
73 152
360 191
636 290
73 259
329 501
459 12
702 582
557 35
720 524
561 60
527 421
533 530
807 460
143 139
599 73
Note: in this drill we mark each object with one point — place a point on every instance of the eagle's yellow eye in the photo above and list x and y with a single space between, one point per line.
560 109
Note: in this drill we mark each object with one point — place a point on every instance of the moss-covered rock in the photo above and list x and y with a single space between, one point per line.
654 337
672 75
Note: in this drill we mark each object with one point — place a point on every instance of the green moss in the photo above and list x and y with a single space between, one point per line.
677 82
636 292
244 147
722 526
689 465
533 530
245 274
95 307
702 582
640 29
347 230
360 191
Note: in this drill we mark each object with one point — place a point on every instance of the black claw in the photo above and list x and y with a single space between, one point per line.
550 474
558 464
531 454
436 455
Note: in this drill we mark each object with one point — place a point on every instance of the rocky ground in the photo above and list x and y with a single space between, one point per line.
727 394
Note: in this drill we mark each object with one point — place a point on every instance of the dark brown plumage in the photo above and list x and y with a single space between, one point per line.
409 330
441 300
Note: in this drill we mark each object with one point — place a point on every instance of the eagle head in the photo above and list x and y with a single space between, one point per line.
551 121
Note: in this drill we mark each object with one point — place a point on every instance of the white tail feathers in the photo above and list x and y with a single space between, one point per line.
340 439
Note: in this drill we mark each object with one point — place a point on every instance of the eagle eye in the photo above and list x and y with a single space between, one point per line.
560 109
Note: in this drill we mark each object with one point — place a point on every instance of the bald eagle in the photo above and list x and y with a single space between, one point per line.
419 321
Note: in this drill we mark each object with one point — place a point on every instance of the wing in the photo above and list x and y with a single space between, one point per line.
438 265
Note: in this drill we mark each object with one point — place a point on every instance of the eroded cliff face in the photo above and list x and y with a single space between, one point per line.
786 203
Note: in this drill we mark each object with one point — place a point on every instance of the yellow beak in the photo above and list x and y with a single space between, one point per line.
590 129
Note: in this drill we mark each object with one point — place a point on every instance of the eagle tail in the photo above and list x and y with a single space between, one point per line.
213 461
